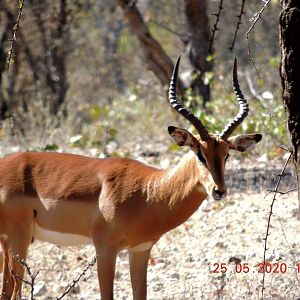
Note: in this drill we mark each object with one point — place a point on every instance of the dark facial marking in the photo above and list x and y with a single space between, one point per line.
201 158
258 137
171 129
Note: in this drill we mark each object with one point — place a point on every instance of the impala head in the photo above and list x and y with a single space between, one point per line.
212 150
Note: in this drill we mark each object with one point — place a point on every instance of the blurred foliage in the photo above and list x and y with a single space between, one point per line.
48 147
113 103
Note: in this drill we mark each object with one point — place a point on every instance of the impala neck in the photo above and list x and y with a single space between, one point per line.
176 184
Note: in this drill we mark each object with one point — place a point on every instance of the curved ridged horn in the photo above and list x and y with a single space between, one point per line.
181 109
244 109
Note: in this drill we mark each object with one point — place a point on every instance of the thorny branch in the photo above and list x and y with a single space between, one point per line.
15 30
275 191
255 18
215 27
32 277
238 24
30 274
75 281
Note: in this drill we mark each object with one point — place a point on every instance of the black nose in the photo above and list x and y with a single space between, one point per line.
219 193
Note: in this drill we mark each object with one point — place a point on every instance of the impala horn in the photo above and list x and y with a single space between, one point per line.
244 109
181 109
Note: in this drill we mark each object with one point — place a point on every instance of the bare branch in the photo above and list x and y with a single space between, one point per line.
15 30
255 18
68 289
30 274
275 191
281 193
155 56
168 29
238 24
270 114
215 27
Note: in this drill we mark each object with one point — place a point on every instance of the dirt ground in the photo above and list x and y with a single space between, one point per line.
186 262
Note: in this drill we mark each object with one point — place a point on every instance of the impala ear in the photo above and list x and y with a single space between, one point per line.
244 142
181 137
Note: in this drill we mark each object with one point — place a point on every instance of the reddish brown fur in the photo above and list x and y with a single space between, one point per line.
117 201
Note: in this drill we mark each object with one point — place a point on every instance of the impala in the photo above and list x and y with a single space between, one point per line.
113 203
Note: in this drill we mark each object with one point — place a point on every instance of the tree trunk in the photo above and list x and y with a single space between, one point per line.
112 26
290 74
7 26
155 57
46 56
198 32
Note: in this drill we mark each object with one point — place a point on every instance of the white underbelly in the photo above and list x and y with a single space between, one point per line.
59 238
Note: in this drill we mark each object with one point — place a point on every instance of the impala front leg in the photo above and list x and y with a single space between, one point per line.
138 273
106 262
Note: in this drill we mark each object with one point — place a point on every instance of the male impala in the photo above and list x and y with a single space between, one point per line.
118 203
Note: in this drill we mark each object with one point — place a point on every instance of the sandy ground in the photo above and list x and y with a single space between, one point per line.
186 262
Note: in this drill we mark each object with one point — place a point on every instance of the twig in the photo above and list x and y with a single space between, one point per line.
284 148
168 29
239 22
279 192
275 191
15 30
30 274
268 113
255 18
215 27
282 193
91 264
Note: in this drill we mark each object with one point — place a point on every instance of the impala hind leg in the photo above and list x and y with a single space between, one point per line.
138 272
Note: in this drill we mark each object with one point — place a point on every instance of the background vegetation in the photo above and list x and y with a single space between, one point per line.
79 77
83 78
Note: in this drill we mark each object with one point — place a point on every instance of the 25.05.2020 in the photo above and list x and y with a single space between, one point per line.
276 268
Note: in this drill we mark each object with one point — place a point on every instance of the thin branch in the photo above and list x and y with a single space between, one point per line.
284 148
215 27
91 264
168 29
255 18
15 30
30 274
238 24
275 191
281 193
270 114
